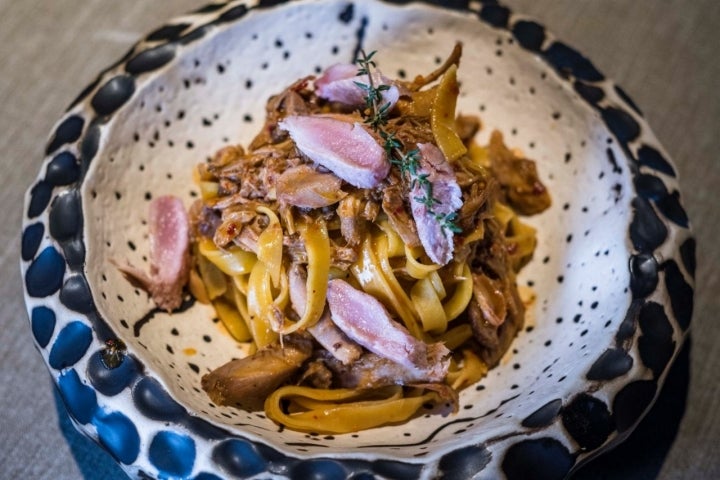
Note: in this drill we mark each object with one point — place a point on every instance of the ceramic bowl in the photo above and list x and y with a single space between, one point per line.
612 275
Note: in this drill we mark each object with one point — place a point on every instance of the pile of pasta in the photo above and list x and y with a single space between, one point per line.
249 286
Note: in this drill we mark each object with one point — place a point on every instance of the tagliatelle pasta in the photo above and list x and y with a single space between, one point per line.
343 410
366 247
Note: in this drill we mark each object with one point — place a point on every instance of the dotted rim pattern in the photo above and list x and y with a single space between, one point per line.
53 256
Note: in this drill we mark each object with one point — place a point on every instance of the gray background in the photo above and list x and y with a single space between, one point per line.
662 52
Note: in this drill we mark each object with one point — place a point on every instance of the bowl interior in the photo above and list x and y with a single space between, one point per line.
213 94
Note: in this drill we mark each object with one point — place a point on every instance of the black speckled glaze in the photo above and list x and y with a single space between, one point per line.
613 363
113 94
543 416
586 419
150 59
530 35
68 131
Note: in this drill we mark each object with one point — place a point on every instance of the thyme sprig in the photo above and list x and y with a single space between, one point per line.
376 114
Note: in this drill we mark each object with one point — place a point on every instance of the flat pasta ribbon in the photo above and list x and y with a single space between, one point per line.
342 410
317 246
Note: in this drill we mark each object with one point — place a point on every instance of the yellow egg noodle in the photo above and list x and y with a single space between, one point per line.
248 290
242 266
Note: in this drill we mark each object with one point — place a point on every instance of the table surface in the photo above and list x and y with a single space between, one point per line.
662 52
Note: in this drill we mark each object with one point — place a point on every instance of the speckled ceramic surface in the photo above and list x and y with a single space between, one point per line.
612 273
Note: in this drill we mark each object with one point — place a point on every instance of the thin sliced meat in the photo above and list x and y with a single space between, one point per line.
334 340
374 371
246 382
344 148
324 331
495 340
169 254
290 101
436 240
490 298
394 207
364 319
518 177
305 187
338 84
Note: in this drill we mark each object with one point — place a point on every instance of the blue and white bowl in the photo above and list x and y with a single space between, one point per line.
612 275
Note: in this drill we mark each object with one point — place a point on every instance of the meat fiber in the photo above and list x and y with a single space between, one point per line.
352 225
518 177
324 331
374 371
169 254
365 320
339 83
305 187
246 382
394 207
446 198
344 148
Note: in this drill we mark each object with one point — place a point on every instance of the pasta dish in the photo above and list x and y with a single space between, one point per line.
364 245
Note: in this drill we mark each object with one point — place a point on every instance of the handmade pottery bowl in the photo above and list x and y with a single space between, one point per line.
612 274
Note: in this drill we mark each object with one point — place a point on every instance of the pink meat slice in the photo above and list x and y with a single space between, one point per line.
324 331
338 84
345 148
436 240
373 371
169 253
365 320
339 71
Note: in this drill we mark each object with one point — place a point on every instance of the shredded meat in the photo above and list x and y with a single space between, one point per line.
364 319
246 382
396 211
291 101
467 126
475 197
317 160
518 177
352 223
374 371
446 197
305 187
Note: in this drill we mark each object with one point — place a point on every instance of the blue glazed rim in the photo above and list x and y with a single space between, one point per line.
56 271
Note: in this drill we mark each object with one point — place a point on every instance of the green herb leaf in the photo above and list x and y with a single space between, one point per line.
407 162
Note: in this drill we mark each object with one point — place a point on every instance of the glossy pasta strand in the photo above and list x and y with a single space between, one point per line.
341 410
317 245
